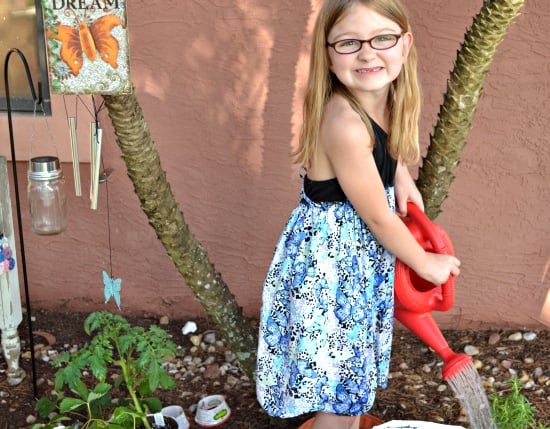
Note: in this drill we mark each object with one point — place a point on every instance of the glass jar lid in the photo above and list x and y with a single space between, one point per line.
44 168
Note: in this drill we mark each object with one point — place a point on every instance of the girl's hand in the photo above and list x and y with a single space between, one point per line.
405 190
439 267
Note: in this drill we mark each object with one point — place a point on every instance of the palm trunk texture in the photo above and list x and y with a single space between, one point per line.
187 254
464 88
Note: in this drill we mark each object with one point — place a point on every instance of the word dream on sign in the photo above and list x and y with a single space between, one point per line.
87 46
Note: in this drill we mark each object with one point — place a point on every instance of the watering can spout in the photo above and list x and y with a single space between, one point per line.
424 327
415 298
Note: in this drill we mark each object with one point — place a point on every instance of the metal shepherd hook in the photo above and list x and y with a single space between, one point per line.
38 101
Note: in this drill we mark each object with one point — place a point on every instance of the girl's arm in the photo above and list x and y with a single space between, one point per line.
344 139
406 190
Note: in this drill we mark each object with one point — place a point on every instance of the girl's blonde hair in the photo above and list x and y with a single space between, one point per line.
403 98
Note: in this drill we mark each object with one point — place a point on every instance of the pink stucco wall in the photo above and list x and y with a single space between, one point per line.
220 84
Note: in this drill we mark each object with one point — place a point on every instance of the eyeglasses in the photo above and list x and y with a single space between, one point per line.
379 43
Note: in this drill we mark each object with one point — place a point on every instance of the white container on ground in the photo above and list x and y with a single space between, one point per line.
212 411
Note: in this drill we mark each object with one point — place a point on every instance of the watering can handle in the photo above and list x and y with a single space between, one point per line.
433 234
427 227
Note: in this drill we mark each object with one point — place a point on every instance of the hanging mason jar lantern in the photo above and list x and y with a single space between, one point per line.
47 196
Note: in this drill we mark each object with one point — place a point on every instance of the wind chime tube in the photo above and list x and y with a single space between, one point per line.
92 161
74 152
95 146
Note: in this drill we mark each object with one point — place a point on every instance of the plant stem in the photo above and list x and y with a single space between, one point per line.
130 386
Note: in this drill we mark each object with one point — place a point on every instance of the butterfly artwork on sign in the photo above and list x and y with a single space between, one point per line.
87 46
87 40
112 288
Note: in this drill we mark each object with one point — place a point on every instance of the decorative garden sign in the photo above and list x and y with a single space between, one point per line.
87 46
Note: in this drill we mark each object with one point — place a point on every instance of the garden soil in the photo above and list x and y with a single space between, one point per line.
416 390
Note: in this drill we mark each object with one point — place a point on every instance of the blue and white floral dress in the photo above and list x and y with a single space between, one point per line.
327 312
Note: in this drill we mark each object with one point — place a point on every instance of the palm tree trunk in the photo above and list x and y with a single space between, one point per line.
187 254
464 88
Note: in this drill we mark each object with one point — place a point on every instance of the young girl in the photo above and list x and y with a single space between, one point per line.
327 313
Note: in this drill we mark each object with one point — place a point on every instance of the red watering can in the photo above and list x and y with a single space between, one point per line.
416 298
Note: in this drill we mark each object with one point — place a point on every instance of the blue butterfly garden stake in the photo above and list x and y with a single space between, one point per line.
112 288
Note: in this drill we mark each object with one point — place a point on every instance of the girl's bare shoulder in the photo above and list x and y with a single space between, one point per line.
342 125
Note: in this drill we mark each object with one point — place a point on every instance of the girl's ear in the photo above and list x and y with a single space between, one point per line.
407 43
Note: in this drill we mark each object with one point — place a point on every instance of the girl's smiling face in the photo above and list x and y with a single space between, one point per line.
368 70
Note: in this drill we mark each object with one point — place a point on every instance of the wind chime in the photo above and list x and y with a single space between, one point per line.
87 49
97 176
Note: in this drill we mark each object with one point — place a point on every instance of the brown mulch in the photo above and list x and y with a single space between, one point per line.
416 392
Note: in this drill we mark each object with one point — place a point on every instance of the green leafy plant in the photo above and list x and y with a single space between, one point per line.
132 358
512 410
